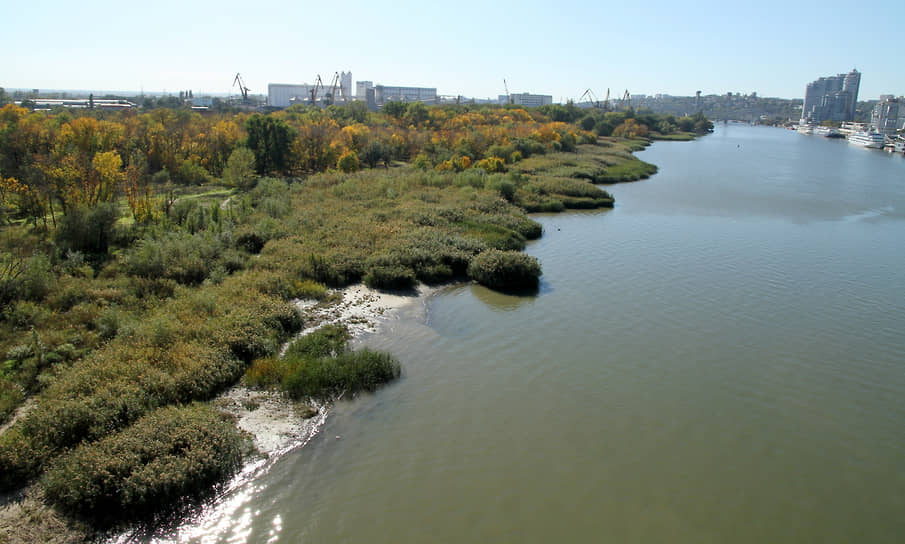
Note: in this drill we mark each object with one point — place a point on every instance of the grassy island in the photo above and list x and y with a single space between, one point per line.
151 260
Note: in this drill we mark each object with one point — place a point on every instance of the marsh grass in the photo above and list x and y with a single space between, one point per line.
321 366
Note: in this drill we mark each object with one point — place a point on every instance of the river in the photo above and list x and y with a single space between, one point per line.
720 358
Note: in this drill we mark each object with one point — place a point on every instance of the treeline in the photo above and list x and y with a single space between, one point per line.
53 162
627 123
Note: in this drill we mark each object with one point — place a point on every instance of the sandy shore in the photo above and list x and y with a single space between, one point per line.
278 424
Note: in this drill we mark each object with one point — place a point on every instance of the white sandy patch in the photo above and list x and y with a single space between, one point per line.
276 423
361 309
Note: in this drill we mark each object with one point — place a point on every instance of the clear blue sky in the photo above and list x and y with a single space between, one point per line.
465 47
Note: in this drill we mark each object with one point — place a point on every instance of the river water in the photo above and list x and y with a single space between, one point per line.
720 358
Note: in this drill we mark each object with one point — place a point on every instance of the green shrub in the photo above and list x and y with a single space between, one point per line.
191 173
349 372
494 236
388 272
505 269
336 268
501 185
180 256
327 341
309 290
172 454
320 365
11 397
88 231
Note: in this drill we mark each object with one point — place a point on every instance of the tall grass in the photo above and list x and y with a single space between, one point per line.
320 365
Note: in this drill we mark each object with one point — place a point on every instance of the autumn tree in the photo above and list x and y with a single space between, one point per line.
630 129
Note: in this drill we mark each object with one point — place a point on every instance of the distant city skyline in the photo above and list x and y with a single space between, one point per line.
467 48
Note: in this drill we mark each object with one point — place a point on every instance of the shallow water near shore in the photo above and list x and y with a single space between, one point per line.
720 358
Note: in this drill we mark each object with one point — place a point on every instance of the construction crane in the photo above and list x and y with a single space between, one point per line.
508 96
606 102
592 98
242 88
333 83
318 84
626 99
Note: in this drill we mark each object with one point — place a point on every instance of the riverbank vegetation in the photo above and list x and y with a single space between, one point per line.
150 260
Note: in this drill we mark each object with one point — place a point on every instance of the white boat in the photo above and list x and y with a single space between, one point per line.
828 132
898 145
867 139
806 129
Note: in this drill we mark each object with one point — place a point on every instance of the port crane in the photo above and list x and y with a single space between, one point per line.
318 84
626 99
243 90
508 96
603 106
333 84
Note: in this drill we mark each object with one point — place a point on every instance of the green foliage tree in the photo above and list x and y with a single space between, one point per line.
269 139
240 168
374 153
416 113
87 230
395 109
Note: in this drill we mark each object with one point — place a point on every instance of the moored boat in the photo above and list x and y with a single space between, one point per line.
873 140
829 132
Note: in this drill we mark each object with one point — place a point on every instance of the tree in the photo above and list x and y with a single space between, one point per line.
395 109
240 168
416 113
269 139
375 152
348 162
630 129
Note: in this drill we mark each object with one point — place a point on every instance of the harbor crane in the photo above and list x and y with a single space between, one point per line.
318 84
592 98
626 99
333 84
243 90
595 101
508 96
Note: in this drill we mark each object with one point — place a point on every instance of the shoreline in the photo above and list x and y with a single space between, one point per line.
277 424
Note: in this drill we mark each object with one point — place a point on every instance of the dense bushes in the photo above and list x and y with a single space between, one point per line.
171 454
186 350
505 270
87 230
320 365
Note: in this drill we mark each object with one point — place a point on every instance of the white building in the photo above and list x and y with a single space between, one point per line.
282 95
527 99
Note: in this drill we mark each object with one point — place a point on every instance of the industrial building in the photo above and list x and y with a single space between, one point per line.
526 99
831 98
283 95
81 103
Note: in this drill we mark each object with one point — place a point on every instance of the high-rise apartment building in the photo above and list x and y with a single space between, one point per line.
886 115
831 98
